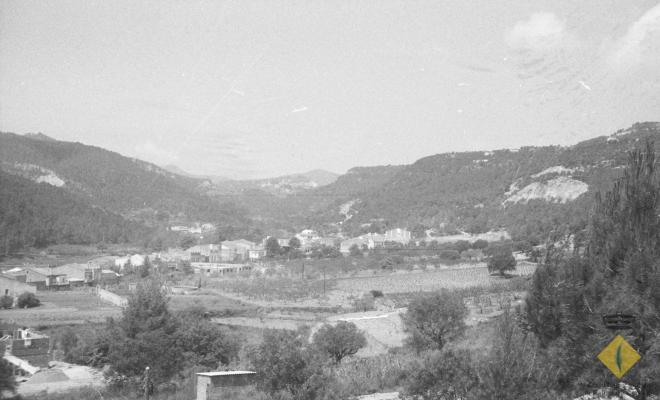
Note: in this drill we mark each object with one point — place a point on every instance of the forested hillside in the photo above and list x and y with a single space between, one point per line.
133 188
529 191
39 214
63 192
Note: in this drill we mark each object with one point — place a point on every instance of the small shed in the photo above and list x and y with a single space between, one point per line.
207 381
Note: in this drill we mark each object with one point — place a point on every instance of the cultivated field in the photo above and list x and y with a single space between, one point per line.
340 292
411 282
484 295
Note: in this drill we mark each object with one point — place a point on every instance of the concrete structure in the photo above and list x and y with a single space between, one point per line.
398 235
207 382
345 246
46 278
136 260
32 347
375 240
219 268
228 251
10 286
256 254
79 274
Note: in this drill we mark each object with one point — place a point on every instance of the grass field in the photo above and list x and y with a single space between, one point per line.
62 308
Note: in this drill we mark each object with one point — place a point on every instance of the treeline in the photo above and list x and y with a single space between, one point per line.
38 215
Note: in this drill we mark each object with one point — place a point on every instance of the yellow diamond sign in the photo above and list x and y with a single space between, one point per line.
619 356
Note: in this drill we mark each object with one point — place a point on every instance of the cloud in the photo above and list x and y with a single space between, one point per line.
629 50
541 31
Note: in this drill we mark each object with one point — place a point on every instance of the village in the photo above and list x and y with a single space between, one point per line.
228 279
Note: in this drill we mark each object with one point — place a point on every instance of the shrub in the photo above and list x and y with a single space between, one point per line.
442 375
376 293
364 303
6 302
450 255
27 300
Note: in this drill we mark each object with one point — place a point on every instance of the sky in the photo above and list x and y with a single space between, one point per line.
249 89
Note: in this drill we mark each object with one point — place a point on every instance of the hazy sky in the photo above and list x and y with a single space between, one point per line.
262 88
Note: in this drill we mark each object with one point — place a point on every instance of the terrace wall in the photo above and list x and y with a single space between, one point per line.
112 298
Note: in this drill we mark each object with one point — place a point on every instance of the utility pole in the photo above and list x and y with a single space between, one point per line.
324 281
302 273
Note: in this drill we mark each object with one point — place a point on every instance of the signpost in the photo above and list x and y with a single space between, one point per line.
619 356
618 321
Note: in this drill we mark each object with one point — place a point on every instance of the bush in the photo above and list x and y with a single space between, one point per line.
6 302
442 375
27 300
450 255
376 293
364 303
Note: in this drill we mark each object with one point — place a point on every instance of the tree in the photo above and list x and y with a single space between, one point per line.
339 341
501 260
283 362
27 300
462 245
7 382
618 272
272 247
146 328
6 302
419 231
203 342
68 340
514 368
442 375
186 267
144 270
294 243
187 241
433 320
355 251
480 244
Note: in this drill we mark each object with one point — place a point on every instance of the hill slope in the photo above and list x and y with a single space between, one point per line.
529 191
130 187
39 214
